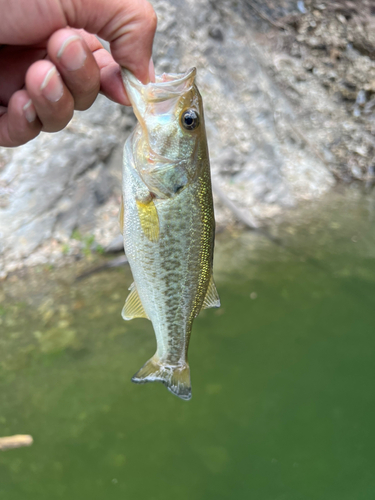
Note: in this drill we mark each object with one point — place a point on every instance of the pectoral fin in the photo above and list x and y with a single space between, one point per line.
121 215
212 297
133 307
149 219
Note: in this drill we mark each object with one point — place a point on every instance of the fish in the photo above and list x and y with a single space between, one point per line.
167 219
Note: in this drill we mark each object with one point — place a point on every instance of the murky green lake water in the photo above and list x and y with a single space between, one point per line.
283 376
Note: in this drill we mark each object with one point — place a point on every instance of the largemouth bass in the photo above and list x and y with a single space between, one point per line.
168 221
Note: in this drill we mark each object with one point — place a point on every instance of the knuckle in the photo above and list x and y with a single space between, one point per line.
150 17
85 82
15 138
83 104
85 94
66 119
59 121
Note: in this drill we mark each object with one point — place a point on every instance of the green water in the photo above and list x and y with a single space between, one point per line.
282 376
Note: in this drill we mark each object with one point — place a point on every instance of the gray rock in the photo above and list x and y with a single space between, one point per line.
55 182
251 124
266 155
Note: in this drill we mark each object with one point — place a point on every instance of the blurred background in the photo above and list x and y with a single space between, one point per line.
283 398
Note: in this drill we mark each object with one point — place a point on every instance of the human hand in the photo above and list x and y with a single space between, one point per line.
51 62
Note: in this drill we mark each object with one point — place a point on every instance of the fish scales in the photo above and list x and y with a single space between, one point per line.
168 222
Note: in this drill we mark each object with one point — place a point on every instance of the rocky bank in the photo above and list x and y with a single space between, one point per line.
289 94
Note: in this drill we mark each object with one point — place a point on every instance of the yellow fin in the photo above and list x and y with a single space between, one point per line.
212 297
148 216
133 307
121 215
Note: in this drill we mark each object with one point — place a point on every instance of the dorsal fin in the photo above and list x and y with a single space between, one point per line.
212 297
133 307
121 215
149 219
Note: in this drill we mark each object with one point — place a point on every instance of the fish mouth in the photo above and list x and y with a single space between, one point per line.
175 79
166 86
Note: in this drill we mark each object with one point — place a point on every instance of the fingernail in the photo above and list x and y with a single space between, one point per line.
29 111
52 87
151 70
72 54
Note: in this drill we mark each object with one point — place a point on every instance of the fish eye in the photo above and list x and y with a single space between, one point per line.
190 119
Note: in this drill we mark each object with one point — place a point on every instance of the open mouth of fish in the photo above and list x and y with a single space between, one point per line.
165 87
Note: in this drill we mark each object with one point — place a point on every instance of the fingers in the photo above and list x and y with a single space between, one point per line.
76 65
51 98
14 63
20 123
131 43
151 71
52 91
100 70
70 80
73 76
111 83
129 26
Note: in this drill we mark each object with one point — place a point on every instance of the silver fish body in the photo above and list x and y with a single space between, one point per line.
168 222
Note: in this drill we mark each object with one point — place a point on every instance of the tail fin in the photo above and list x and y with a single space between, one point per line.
175 378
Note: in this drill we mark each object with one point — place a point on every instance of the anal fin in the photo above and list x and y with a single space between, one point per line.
212 298
133 307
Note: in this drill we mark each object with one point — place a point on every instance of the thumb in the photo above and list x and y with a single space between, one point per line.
128 25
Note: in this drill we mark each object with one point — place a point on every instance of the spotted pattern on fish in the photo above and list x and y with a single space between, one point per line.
172 274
